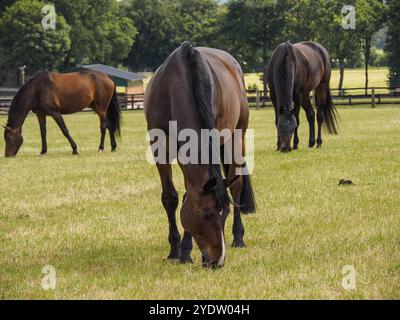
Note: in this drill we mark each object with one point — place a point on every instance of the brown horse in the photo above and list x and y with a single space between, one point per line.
53 94
294 71
201 88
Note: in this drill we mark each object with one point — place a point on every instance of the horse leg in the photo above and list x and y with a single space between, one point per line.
297 115
321 101
186 248
42 123
170 201
112 140
60 122
103 128
236 191
274 102
308 108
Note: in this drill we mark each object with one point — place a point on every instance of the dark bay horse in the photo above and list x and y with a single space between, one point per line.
53 94
202 88
294 71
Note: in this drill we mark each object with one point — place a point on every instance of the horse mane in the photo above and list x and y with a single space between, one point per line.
202 91
283 77
12 111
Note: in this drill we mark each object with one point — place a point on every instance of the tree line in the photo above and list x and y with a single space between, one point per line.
140 34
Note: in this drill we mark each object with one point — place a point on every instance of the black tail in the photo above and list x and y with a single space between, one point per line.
114 114
247 201
330 114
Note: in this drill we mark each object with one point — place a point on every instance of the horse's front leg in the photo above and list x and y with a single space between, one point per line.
42 123
60 122
170 202
308 108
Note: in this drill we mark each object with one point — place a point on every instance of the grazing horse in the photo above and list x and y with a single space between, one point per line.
53 94
294 71
198 89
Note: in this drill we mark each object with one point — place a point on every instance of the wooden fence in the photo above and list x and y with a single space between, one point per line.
346 97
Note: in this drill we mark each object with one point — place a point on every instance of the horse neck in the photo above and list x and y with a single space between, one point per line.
18 113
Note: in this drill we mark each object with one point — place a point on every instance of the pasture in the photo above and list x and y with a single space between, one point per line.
98 218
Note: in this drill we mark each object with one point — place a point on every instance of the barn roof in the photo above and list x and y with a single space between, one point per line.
114 72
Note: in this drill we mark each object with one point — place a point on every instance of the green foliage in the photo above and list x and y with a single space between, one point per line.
393 43
100 32
24 41
251 30
163 25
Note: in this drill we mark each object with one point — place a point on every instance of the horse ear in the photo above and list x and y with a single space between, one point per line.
210 185
228 182
7 128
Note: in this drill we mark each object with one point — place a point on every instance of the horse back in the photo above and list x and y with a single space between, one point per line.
72 92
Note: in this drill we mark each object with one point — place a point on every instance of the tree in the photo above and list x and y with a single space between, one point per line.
252 29
164 24
24 41
100 32
342 44
370 19
4 4
393 43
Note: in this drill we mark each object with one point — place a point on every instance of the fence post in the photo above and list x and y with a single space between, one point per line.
258 99
373 97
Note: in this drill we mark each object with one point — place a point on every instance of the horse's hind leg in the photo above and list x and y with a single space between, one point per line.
103 128
321 95
236 191
112 139
42 123
296 134
60 122
308 108
170 202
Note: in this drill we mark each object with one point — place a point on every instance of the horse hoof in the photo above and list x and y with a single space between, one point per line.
100 151
238 244
43 153
174 255
311 144
319 146
75 153
295 148
186 260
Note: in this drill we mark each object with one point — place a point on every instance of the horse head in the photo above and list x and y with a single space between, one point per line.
13 139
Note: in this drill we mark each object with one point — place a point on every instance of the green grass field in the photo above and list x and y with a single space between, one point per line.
353 78
98 219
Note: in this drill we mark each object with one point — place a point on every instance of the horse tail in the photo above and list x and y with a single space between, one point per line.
247 200
202 92
114 114
330 114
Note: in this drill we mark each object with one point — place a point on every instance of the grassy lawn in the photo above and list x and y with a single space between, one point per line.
353 78
98 218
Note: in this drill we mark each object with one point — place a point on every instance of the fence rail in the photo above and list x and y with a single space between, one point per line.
257 98
345 97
